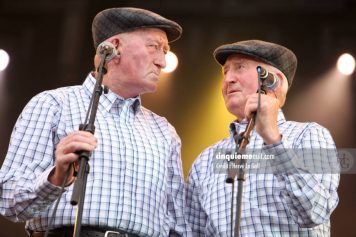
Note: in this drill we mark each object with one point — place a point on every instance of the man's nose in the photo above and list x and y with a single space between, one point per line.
160 60
230 77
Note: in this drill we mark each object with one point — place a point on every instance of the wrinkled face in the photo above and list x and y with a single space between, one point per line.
142 56
240 80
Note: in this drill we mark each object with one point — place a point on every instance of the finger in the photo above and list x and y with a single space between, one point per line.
67 159
264 102
78 146
250 108
63 163
253 104
82 137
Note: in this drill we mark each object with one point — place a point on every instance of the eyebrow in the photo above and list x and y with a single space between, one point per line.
160 42
239 61
167 47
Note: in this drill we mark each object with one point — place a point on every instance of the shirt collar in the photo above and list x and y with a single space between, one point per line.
107 100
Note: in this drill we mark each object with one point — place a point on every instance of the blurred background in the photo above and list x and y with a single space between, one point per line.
49 45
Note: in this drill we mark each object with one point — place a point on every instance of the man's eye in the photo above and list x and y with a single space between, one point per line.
241 66
155 46
225 70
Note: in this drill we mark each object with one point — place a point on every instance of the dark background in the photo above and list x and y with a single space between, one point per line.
49 42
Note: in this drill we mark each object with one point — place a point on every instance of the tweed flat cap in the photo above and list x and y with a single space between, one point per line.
114 21
275 55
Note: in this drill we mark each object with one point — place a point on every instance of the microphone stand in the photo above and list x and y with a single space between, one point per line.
79 188
239 166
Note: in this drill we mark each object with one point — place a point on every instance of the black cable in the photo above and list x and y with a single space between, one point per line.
57 203
232 207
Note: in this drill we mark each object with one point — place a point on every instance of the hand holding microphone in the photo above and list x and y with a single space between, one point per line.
266 122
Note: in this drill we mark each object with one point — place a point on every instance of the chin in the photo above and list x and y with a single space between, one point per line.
150 89
231 104
233 108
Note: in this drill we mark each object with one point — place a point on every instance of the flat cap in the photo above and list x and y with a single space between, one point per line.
275 55
114 21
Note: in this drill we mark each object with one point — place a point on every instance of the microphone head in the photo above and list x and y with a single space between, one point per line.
270 81
263 73
107 49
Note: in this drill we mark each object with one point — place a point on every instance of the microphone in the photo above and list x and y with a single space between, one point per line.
108 49
269 80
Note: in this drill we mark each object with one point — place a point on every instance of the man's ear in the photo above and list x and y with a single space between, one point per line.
96 61
116 43
282 88
281 80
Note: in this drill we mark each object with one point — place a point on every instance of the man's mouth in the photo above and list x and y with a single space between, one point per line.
232 91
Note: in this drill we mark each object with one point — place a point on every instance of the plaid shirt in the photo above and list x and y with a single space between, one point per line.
288 202
135 181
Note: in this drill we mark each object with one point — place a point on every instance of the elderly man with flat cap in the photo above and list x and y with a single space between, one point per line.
135 185
288 195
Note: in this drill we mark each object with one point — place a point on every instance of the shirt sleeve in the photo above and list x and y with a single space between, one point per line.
24 187
195 213
176 191
308 174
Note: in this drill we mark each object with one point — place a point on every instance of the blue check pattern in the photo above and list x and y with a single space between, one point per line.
287 202
135 182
